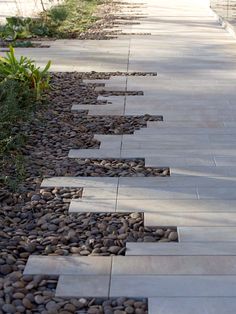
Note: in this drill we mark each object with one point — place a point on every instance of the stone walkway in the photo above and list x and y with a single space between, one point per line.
194 90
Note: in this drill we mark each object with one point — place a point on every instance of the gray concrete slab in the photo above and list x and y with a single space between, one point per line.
68 265
181 248
176 205
176 265
98 205
186 305
83 286
206 234
166 286
153 192
190 219
91 182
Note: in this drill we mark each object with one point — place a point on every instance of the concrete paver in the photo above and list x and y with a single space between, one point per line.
194 91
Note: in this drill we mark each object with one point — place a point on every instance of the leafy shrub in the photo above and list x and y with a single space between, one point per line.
58 13
16 104
16 28
25 71
16 101
23 28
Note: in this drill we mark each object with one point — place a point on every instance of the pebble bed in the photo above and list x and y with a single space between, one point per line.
55 130
118 168
40 224
36 221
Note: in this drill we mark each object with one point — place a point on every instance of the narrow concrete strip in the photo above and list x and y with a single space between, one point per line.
175 205
68 265
182 248
87 182
175 161
173 265
187 305
94 153
206 172
132 193
178 181
190 219
83 286
93 206
99 193
206 234
173 286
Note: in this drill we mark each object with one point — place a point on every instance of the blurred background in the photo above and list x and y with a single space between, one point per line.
24 7
226 9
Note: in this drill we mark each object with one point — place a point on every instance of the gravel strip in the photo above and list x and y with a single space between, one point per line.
118 168
55 129
36 294
36 221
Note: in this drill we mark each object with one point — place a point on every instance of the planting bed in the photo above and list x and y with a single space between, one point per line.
36 221
55 129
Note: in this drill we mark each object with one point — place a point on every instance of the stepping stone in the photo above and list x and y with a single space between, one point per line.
94 206
100 110
206 234
139 193
94 153
178 181
173 265
68 265
83 286
182 248
174 205
161 128
104 193
176 161
86 182
190 219
187 305
173 286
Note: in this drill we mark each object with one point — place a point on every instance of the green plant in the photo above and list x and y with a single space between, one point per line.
58 13
16 28
16 103
24 70
16 162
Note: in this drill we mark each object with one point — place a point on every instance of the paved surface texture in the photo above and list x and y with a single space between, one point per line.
194 91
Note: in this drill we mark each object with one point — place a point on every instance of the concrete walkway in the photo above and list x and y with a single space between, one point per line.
194 90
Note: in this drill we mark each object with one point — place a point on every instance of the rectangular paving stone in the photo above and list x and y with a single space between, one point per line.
157 193
193 219
207 234
177 150
100 110
166 286
175 161
91 182
181 248
225 160
162 129
83 286
227 193
178 181
99 193
205 172
173 265
68 265
98 205
187 305
94 153
175 205
109 141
